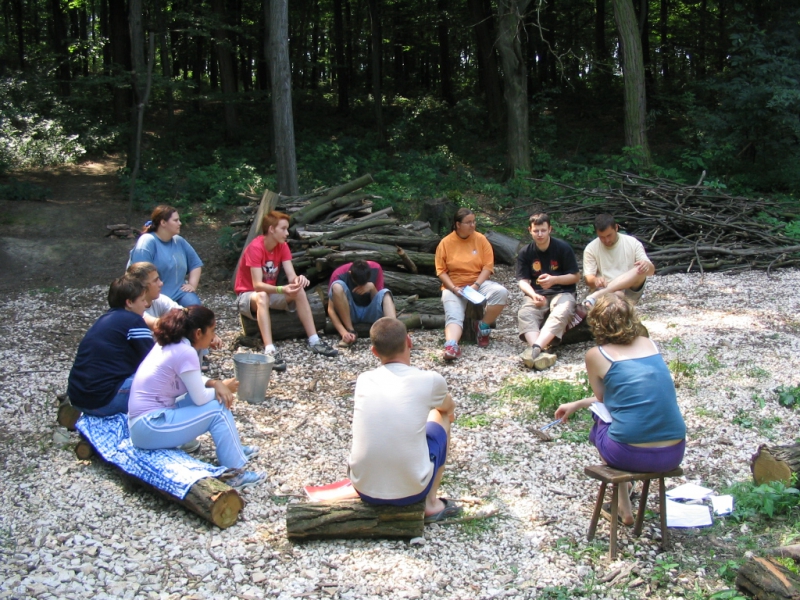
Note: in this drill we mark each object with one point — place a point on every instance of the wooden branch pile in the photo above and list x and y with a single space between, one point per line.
337 225
683 227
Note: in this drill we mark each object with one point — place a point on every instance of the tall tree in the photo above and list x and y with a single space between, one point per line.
120 59
634 80
281 83
227 72
511 17
59 40
445 65
377 50
488 69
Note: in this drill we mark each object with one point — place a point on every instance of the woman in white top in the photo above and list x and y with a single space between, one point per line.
171 403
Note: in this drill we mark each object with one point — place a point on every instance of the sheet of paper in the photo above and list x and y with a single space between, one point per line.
689 491
472 295
687 515
722 505
601 411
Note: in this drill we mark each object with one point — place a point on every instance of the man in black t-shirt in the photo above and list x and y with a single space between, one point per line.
547 272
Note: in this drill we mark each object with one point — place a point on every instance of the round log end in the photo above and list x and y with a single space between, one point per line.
84 450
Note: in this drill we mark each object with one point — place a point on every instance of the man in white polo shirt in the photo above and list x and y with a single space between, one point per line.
615 262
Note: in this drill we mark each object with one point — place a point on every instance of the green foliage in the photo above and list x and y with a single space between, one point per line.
729 594
473 421
768 499
728 569
788 396
23 190
548 394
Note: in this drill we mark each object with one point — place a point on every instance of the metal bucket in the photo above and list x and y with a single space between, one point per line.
252 371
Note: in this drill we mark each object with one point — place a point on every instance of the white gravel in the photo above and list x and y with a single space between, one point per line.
75 529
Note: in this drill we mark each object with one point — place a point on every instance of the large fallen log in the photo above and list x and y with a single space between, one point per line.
410 320
353 519
405 284
792 551
505 248
424 262
302 216
765 579
775 463
286 325
208 498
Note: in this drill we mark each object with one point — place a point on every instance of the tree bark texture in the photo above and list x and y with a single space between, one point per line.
120 58
59 40
488 69
227 73
510 16
765 579
445 65
633 74
353 519
281 82
286 325
775 463
340 68
377 51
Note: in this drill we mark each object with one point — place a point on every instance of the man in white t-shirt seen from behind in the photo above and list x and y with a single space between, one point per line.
401 428
615 262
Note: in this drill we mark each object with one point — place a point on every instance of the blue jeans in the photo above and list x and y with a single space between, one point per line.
173 427
118 404
186 299
363 314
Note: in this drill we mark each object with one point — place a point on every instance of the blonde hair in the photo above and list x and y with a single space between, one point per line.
613 320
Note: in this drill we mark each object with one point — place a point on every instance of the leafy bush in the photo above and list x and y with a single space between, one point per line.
548 394
788 396
23 190
768 499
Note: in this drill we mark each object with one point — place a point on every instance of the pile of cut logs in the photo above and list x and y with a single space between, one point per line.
334 226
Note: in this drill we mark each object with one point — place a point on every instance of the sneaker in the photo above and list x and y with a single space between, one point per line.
323 348
544 361
451 352
250 451
279 364
190 447
529 355
482 334
246 479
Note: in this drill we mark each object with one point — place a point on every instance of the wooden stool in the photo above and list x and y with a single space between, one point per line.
606 475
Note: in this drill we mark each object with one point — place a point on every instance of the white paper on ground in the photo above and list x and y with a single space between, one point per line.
687 515
689 491
722 505
472 295
601 411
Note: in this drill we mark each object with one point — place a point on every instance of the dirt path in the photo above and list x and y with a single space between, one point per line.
61 242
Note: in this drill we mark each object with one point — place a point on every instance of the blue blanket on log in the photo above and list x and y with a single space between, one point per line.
170 470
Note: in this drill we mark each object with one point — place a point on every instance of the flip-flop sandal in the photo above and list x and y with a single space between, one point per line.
450 510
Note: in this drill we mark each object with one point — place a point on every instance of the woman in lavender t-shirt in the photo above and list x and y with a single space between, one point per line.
171 403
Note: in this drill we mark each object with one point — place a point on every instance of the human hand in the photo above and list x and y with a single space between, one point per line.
348 337
216 343
600 282
457 291
224 392
188 287
302 281
564 411
291 290
642 266
539 300
546 281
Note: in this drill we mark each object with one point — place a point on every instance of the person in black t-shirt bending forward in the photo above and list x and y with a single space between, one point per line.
547 272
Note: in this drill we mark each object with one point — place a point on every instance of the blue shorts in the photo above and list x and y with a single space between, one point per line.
436 437
639 459
363 314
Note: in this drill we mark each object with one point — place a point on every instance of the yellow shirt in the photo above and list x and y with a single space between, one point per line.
464 259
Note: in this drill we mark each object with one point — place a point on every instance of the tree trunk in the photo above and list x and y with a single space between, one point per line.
19 17
376 51
120 59
227 73
664 46
285 324
353 519
138 68
505 248
765 579
402 284
340 68
166 65
423 261
775 463
600 49
633 74
445 63
488 69
510 18
281 83
59 40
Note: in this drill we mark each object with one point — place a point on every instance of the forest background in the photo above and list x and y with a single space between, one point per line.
465 99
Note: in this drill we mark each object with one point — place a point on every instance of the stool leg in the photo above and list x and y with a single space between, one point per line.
596 514
612 541
637 530
662 503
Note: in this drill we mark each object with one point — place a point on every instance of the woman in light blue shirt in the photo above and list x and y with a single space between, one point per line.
178 264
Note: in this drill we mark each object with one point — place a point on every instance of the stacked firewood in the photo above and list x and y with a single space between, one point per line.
334 226
683 227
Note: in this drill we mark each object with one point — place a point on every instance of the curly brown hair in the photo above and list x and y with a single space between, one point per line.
182 323
613 320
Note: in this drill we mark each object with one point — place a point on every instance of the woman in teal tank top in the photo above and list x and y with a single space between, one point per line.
629 377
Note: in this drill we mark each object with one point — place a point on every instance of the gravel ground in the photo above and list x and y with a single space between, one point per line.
78 529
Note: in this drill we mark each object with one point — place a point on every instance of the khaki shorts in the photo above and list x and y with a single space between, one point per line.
634 295
276 301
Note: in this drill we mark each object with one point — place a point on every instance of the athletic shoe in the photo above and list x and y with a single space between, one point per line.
246 479
280 363
451 352
482 334
323 348
250 451
190 447
529 355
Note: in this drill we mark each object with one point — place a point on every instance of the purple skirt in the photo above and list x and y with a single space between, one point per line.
634 458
